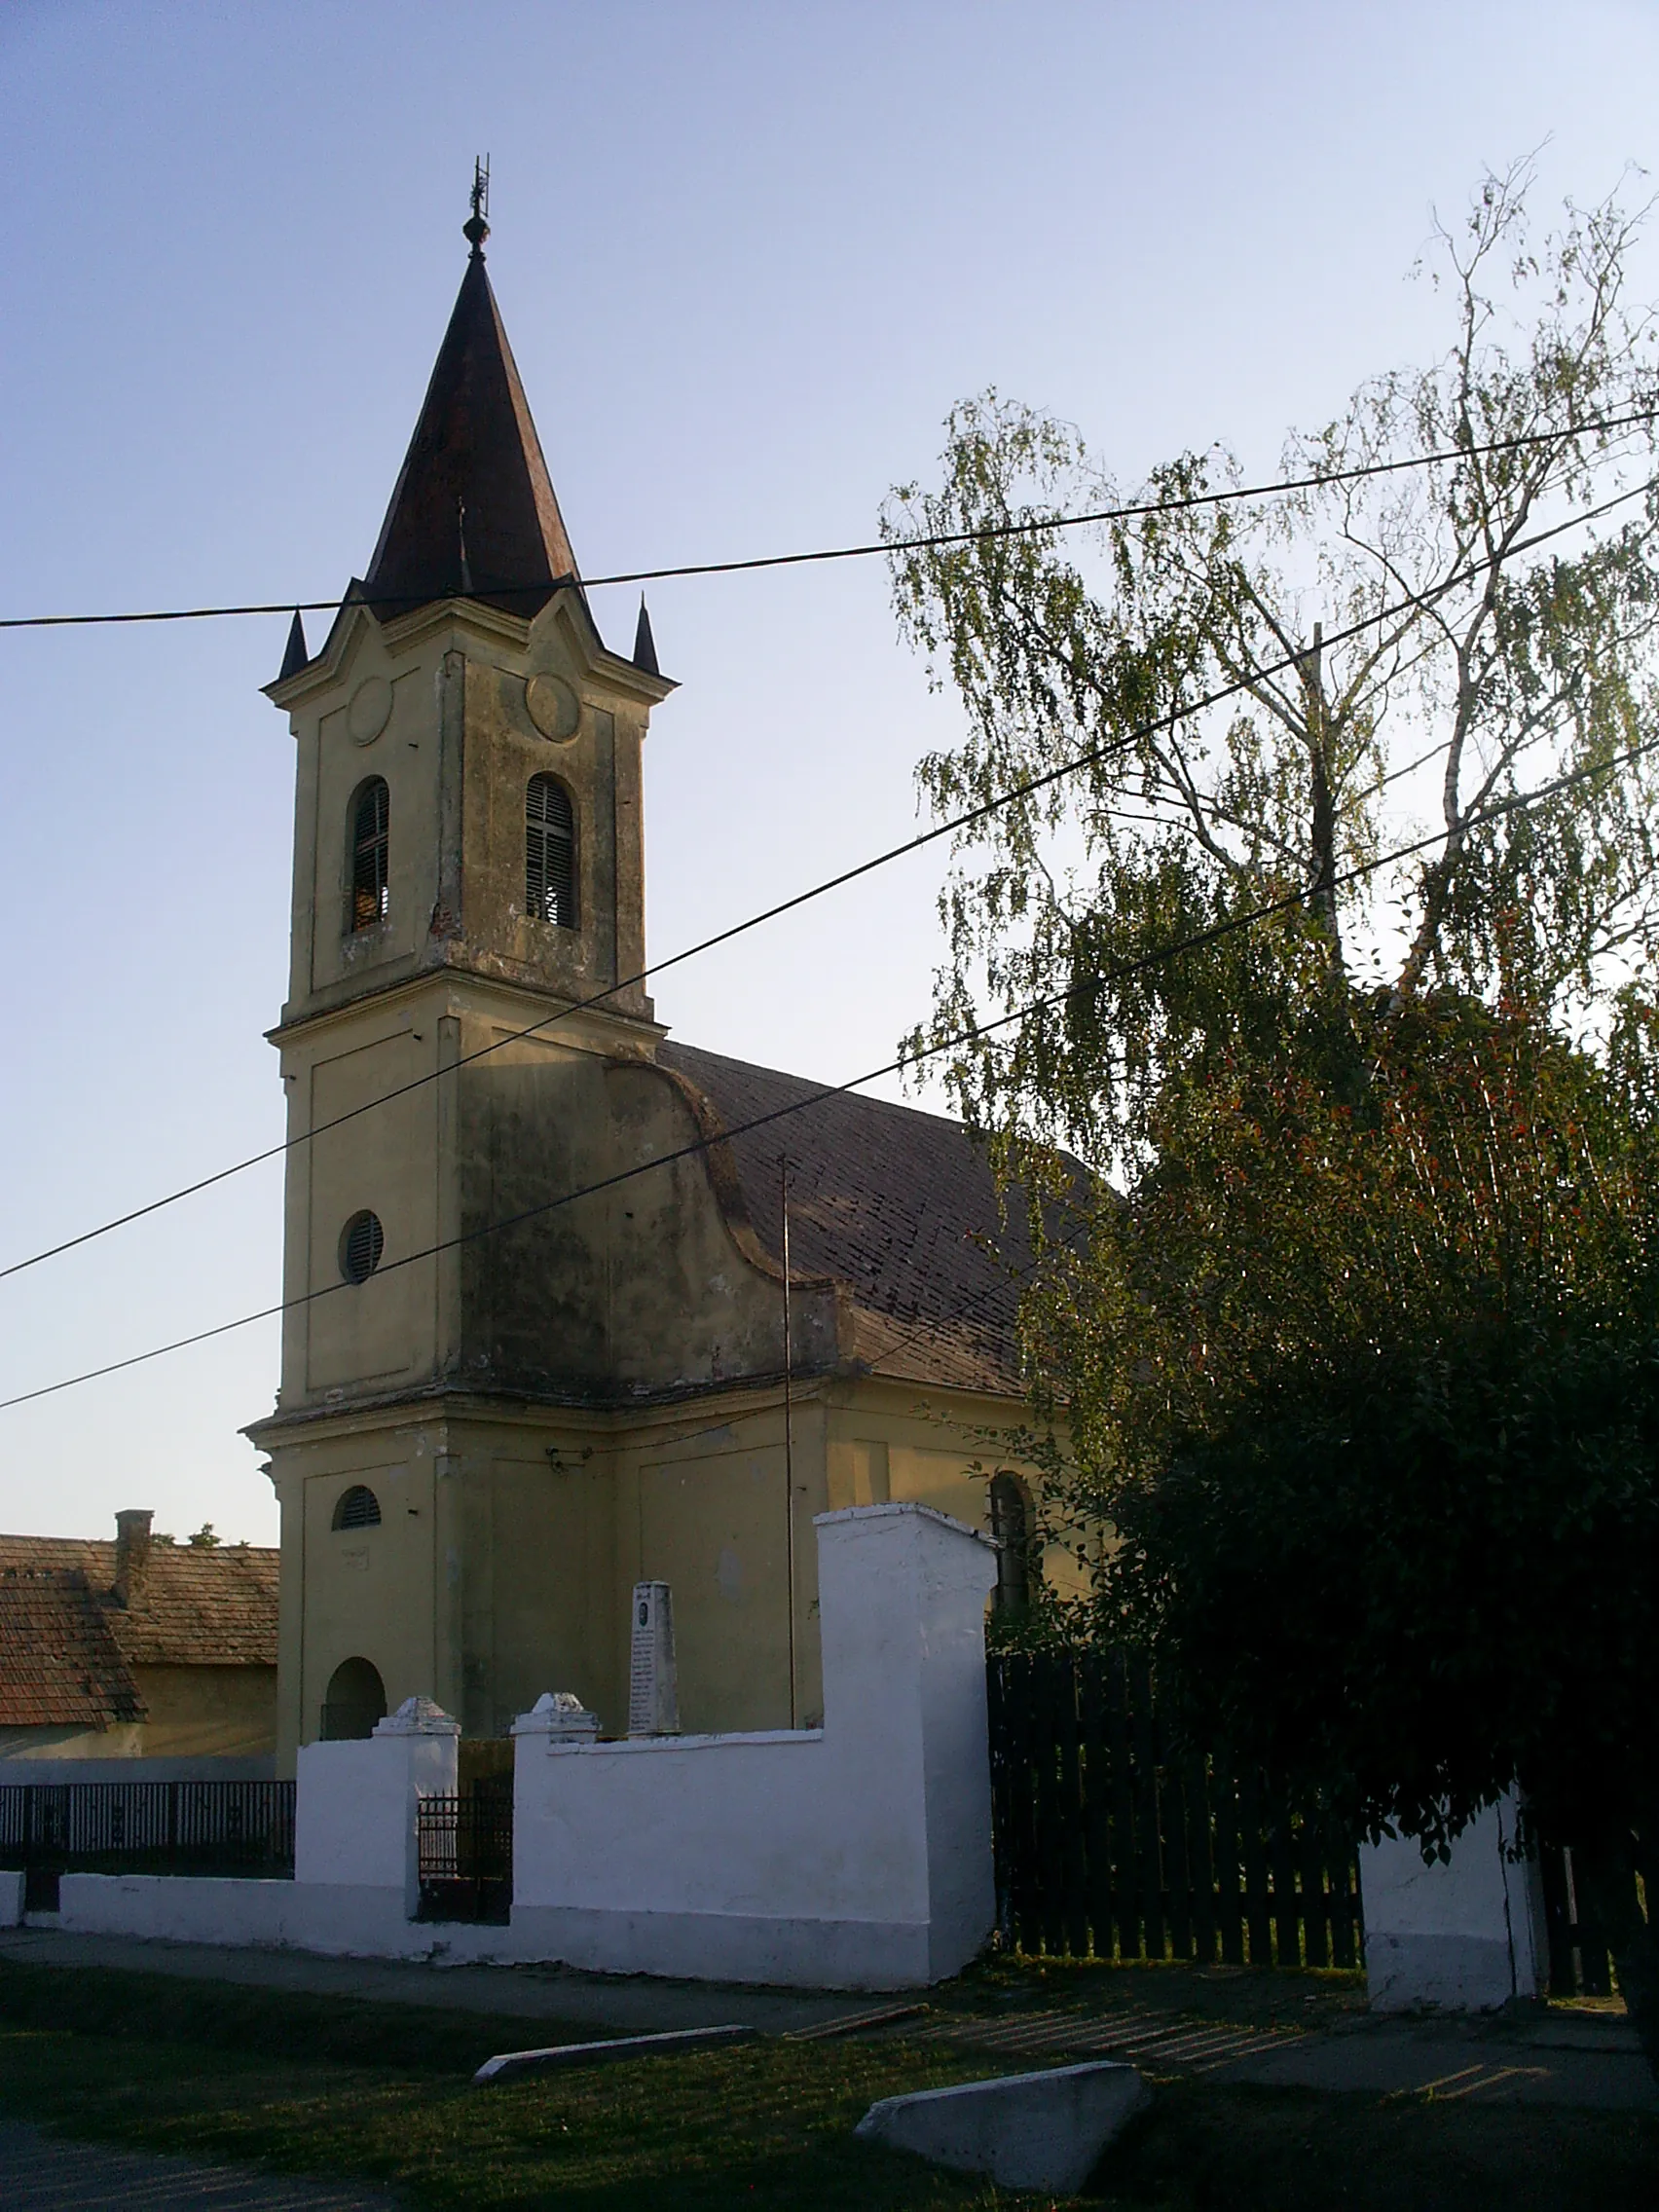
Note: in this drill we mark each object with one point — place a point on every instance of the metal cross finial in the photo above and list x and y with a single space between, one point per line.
476 229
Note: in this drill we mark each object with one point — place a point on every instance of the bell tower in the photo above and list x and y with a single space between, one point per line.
469 867
468 864
469 749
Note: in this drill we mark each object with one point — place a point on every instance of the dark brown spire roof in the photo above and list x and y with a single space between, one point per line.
645 644
473 512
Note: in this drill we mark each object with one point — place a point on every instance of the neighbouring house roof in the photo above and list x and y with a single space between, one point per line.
59 1665
897 1206
186 1606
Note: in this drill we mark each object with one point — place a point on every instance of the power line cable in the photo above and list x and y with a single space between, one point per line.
1073 764
1248 918
1276 486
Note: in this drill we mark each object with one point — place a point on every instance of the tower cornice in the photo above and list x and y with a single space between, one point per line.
407 631
555 1018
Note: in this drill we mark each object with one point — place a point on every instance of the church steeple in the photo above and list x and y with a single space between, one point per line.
469 748
473 512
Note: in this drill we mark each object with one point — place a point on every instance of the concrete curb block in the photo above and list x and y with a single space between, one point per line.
510 2062
855 2023
1041 2130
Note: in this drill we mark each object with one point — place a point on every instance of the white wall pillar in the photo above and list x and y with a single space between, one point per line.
1465 1935
355 1810
902 1605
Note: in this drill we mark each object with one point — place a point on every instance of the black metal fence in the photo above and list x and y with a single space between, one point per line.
465 1848
1112 1844
52 1828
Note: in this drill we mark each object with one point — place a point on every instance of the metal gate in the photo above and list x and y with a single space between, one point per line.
466 1849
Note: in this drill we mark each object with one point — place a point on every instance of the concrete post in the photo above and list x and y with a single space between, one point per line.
354 1811
1466 1936
902 1607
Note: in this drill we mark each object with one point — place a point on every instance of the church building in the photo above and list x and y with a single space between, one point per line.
539 1344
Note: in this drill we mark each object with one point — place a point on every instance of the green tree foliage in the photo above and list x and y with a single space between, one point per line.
1350 1332
1368 1387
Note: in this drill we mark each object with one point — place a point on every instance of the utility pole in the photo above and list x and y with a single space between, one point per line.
789 1435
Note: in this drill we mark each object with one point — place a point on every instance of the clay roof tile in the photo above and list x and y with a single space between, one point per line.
898 1206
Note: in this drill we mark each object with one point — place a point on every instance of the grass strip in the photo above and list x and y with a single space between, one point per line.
272 2023
306 2084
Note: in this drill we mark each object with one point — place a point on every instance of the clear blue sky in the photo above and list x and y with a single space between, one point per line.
748 255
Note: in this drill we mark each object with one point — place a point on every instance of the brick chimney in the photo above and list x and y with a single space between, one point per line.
131 1553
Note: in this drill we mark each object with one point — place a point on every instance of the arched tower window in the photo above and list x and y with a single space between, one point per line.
550 853
371 854
1011 1526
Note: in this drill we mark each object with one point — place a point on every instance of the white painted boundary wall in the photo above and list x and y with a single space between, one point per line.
1463 1937
855 1855
355 1883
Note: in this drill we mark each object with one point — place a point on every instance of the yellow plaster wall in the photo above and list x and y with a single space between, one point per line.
359 1333
125 1741
207 1712
368 1592
509 1546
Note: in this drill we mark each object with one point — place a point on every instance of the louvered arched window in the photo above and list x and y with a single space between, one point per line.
358 1508
550 853
371 853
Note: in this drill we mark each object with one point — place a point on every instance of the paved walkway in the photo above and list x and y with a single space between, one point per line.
1544 2057
623 2004
1547 2058
40 2174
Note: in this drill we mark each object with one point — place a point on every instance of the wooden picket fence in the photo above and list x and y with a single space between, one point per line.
1111 1843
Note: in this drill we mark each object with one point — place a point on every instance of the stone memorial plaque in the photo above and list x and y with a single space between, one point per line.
653 1693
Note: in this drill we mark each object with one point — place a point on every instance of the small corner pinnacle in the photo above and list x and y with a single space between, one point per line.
645 644
296 654
476 229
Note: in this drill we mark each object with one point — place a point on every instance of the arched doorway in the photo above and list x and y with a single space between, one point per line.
354 1700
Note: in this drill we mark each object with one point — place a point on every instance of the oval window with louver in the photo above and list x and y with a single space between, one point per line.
358 1508
362 1241
550 853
